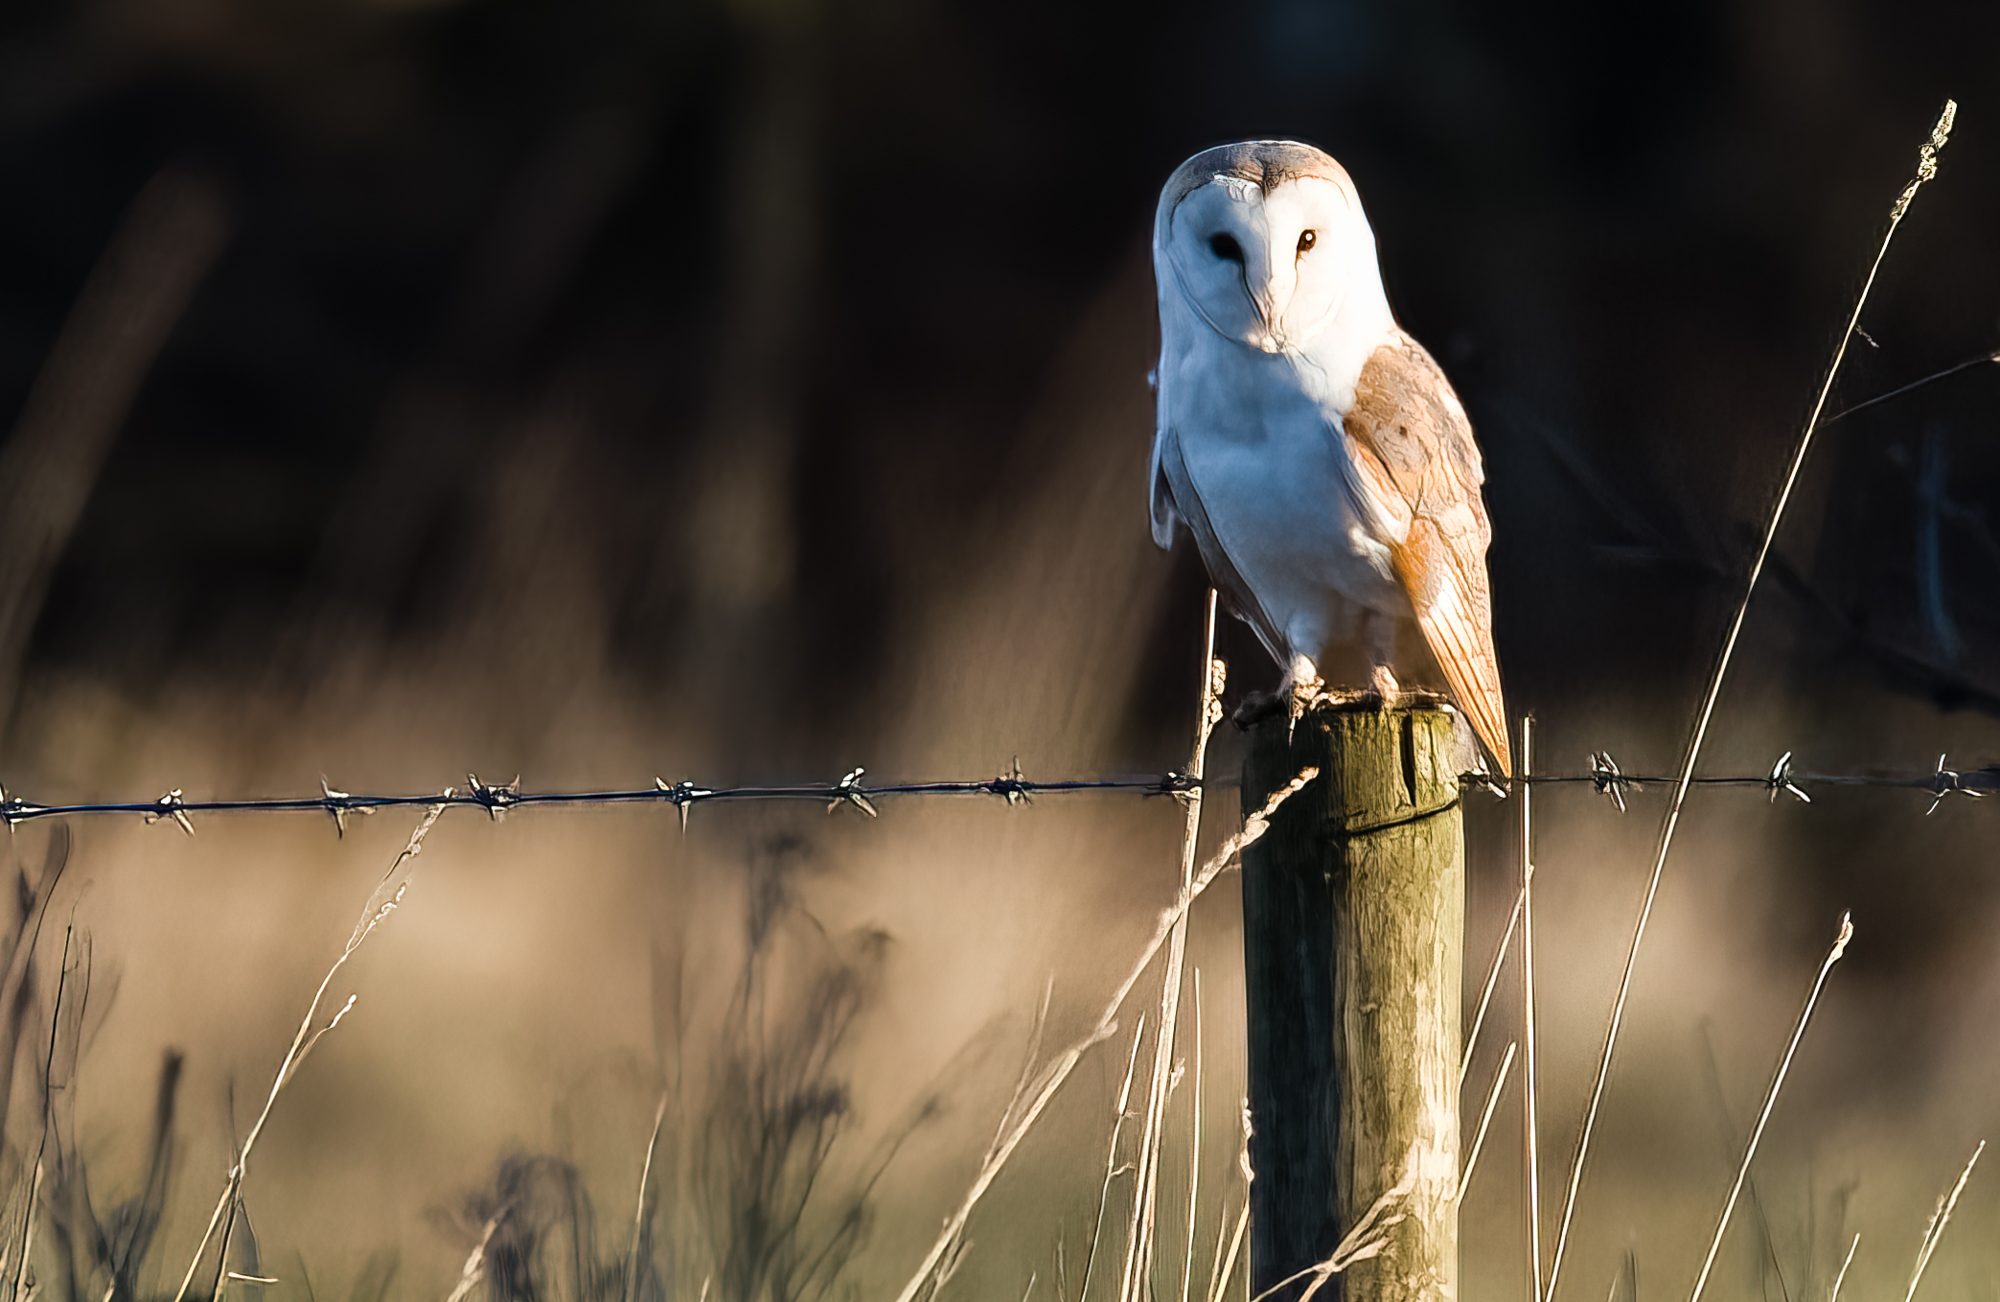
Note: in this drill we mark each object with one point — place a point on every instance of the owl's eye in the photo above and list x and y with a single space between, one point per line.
1226 248
1307 239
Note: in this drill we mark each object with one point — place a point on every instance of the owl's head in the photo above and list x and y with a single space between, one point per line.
1266 242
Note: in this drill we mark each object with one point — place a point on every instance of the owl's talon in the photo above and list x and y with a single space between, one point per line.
1302 689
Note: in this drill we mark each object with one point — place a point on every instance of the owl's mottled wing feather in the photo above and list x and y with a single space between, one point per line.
1416 477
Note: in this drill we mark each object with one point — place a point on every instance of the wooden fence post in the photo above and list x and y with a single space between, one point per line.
1353 920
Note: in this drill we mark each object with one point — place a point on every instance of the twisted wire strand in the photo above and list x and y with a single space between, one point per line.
1940 782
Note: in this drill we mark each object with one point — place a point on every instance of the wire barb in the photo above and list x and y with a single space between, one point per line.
1781 781
339 805
1013 786
849 791
12 809
172 806
1482 777
1181 786
1949 782
497 798
1606 778
681 795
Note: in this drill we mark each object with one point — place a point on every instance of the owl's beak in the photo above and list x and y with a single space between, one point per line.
1266 298
1272 338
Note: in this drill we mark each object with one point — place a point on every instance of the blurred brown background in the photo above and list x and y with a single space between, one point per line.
748 391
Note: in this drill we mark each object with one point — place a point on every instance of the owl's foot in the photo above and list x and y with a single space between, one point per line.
1301 688
1298 692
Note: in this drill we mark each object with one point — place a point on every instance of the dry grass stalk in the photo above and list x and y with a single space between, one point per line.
1139 1237
1926 169
1017 1099
28 1232
1485 1120
1833 955
20 939
474 1272
1222 1266
27 1236
1111 1167
1365 1240
1531 1070
1939 1219
1194 1148
1492 980
1225 1264
1841 1277
1058 1071
384 900
639 1212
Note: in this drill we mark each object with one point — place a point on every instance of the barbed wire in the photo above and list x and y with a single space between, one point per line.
851 791
1784 778
499 798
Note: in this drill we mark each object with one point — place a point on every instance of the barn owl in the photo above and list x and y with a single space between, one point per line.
1314 450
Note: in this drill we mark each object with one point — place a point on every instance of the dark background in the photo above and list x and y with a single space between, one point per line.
761 306
847 242
392 385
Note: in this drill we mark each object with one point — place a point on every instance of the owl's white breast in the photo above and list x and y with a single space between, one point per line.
1260 437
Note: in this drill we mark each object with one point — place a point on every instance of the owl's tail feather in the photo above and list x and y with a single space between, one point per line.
1473 673
1464 650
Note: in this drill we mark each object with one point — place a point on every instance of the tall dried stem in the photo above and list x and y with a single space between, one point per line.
1840 940
639 1211
1926 169
1485 1121
1111 1158
384 900
1841 1277
27 1237
1139 1237
1939 1219
1531 1068
1051 1079
1194 1148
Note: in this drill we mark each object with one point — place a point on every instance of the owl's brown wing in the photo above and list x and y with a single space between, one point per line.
1417 478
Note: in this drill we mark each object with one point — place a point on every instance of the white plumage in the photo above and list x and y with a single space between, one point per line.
1313 449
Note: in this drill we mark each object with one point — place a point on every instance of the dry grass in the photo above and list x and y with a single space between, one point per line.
1121 1110
1939 1219
1531 1126
1705 715
1031 1100
1833 955
1137 1278
1485 1122
383 902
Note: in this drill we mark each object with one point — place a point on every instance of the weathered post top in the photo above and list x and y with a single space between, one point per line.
1353 914
1350 740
